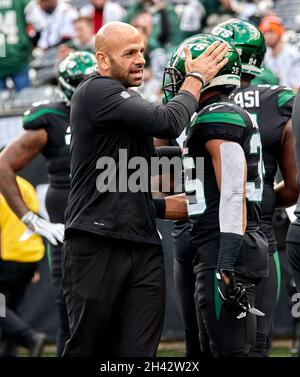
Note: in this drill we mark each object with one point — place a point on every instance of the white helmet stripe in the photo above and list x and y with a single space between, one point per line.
252 69
224 80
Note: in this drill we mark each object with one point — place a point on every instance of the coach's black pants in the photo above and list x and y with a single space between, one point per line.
115 294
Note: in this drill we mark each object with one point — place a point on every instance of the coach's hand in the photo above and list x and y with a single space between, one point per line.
209 63
234 295
36 224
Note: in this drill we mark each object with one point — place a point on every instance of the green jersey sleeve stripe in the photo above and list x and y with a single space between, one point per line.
31 117
229 118
284 97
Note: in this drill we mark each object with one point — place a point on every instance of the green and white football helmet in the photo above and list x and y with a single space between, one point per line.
175 73
73 69
247 39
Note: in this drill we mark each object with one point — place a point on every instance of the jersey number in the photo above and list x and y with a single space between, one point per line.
255 189
193 188
195 195
247 99
9 27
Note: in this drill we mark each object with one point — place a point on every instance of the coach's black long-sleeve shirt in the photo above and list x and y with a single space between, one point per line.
106 118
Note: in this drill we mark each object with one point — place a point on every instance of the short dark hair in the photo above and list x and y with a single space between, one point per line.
86 19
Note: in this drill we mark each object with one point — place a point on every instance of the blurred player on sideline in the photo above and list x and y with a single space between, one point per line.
18 267
47 131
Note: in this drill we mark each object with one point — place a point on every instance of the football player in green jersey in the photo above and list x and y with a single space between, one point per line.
293 235
271 107
47 131
231 251
15 44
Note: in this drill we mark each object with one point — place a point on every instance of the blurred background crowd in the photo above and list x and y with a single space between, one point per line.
38 34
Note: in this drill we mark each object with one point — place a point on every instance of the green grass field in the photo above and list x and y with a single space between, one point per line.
281 348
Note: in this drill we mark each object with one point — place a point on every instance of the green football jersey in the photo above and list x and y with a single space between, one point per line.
13 28
266 77
271 107
222 119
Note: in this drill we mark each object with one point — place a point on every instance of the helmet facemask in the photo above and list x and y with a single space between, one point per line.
172 81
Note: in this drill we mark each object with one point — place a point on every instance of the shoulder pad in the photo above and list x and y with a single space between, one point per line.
220 112
284 95
39 103
41 109
35 106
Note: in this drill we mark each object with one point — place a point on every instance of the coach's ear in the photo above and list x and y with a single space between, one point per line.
103 63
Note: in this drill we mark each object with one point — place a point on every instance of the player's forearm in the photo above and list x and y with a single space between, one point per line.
233 224
14 158
286 196
171 207
10 190
231 175
161 142
163 183
286 191
176 207
232 207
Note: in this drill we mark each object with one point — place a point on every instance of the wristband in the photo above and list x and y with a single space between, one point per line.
27 218
198 76
160 206
230 244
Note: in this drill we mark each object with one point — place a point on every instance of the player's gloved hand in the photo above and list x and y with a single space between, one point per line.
36 224
234 295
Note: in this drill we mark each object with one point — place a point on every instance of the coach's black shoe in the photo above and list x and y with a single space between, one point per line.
39 340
